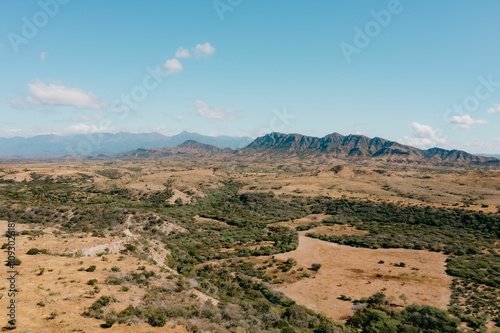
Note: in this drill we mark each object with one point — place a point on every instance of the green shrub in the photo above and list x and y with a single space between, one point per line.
315 267
90 268
156 317
34 251
92 282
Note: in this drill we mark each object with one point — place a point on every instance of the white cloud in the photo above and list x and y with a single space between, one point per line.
179 118
25 132
85 128
173 66
466 121
494 109
208 112
73 129
423 136
58 95
205 49
43 55
182 53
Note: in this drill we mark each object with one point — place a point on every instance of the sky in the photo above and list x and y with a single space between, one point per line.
421 72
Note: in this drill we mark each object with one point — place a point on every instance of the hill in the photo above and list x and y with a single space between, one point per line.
358 147
50 146
189 148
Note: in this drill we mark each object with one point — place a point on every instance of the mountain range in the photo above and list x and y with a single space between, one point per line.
358 147
50 146
270 146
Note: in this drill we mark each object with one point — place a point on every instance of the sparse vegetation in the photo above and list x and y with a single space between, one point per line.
90 268
34 251
315 267
228 254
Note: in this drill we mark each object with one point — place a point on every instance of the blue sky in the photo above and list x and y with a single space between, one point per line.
424 73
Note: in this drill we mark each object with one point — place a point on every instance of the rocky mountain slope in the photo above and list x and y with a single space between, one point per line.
358 147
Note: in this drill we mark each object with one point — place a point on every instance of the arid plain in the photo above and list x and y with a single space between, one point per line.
55 287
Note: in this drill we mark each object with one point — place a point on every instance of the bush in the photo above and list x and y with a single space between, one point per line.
92 282
315 267
91 268
34 251
15 262
156 317
95 310
115 281
109 320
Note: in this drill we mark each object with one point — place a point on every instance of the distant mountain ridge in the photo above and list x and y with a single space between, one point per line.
188 149
490 155
359 147
48 146
270 146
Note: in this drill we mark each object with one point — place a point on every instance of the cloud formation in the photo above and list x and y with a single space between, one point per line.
208 112
182 53
69 130
424 136
173 66
85 128
494 109
466 121
59 95
205 49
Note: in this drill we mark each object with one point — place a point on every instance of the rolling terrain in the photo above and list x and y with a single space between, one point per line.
197 238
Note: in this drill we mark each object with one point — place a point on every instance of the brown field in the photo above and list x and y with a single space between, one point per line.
439 187
474 189
62 287
356 273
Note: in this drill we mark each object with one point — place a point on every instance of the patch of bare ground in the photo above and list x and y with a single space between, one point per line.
199 219
338 230
248 246
357 273
303 221
179 196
